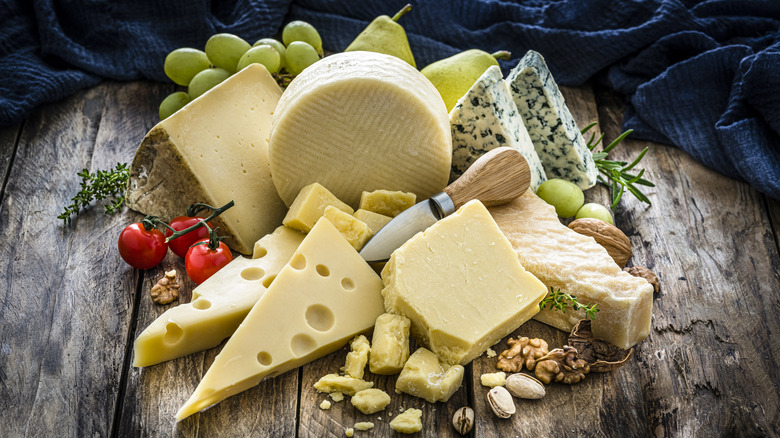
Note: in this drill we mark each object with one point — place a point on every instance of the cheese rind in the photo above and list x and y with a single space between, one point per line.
461 285
360 121
426 377
577 265
320 300
310 205
218 305
555 135
214 150
390 344
485 118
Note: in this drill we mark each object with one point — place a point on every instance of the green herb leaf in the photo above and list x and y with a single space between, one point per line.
103 184
557 300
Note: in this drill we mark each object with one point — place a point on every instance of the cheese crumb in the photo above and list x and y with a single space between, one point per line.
325 405
337 396
408 422
349 432
491 352
493 379
365 425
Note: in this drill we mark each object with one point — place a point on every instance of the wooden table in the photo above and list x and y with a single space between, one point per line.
70 308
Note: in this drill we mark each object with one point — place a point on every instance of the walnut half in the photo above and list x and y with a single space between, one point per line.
522 351
607 235
561 365
641 271
166 289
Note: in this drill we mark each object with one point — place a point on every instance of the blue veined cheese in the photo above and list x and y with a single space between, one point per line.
485 118
557 140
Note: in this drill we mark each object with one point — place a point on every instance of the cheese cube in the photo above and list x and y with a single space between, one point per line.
310 205
493 379
386 202
370 401
320 300
357 358
333 383
375 221
390 344
355 231
214 150
218 305
425 377
461 285
410 421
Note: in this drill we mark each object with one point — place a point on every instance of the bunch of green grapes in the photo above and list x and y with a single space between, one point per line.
225 54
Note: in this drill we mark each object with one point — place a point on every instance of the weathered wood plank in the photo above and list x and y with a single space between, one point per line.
9 137
67 298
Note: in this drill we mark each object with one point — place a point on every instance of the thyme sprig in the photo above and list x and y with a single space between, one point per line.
557 300
617 173
97 186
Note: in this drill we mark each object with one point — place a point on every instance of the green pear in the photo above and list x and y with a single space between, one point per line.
385 35
454 76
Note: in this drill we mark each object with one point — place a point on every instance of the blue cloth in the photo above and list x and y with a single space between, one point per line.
703 75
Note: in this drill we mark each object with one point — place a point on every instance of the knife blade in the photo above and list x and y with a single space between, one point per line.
497 177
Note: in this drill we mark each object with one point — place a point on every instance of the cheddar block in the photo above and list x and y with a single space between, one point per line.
375 221
218 305
426 377
355 231
310 205
386 202
389 344
577 265
320 300
214 150
357 358
461 285
360 121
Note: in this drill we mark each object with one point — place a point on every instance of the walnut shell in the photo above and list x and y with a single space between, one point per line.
641 271
609 236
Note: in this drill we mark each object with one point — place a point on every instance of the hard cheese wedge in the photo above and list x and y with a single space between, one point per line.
486 118
360 121
218 305
562 258
214 150
323 297
461 285
557 140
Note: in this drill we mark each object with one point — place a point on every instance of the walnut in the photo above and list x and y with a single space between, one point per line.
600 354
166 289
522 351
609 236
561 365
641 271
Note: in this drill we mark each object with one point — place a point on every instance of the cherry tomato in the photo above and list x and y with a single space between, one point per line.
202 262
142 248
180 245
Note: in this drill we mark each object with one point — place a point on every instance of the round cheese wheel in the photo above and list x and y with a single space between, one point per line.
360 121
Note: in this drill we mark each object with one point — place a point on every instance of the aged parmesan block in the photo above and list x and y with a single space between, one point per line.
461 285
562 258
360 121
214 150
550 124
486 118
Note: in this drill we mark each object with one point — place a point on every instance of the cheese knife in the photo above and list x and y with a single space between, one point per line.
496 178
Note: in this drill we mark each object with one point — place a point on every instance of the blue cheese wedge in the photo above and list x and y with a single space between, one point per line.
486 118
558 142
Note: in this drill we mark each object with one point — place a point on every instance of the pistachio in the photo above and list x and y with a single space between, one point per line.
500 400
524 386
463 420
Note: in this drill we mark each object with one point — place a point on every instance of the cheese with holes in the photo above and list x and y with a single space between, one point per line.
426 377
218 305
577 265
320 300
214 150
360 121
310 205
461 285
485 118
557 140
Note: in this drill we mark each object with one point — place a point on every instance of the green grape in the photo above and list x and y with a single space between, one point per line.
172 103
225 49
566 197
299 56
280 49
206 80
595 211
302 31
182 65
265 55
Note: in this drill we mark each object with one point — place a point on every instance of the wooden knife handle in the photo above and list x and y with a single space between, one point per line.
496 178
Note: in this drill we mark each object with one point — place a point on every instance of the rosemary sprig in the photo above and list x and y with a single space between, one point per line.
617 173
97 186
557 300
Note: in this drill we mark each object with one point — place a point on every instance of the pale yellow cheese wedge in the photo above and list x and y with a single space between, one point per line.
426 377
375 221
320 300
562 258
461 285
386 202
310 205
218 305
214 150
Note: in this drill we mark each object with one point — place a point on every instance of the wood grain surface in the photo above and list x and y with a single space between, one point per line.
70 308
